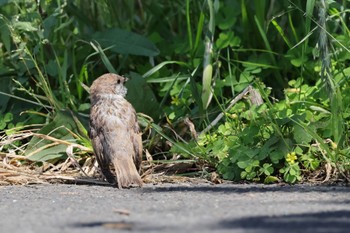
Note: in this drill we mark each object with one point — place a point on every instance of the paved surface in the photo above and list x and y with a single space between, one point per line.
175 208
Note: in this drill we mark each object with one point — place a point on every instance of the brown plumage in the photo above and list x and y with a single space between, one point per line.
114 131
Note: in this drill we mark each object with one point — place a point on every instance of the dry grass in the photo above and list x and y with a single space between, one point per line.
13 174
80 166
17 170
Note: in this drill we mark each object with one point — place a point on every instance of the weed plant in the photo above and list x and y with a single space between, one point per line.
187 61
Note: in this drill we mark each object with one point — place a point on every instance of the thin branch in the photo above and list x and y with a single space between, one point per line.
221 115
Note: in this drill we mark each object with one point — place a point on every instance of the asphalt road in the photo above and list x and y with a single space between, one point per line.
175 208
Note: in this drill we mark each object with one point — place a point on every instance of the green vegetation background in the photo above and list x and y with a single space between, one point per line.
283 66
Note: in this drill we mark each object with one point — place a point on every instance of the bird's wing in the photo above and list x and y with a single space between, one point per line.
136 139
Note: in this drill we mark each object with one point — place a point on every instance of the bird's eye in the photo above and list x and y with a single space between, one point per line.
118 82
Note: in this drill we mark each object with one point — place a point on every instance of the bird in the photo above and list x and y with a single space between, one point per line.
115 132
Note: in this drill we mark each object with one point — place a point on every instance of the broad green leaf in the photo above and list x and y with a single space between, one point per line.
4 2
126 42
43 150
5 36
51 153
139 92
267 147
301 136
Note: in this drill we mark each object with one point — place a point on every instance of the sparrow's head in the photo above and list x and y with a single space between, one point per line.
109 84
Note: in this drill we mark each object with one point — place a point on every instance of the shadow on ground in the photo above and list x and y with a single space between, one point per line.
321 222
239 188
327 222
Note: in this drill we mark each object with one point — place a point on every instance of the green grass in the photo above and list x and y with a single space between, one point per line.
188 60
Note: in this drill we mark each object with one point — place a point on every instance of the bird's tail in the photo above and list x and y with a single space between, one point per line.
126 172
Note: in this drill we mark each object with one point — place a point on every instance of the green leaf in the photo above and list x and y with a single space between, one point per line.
24 26
251 175
249 169
138 92
5 36
301 136
255 163
8 117
207 91
289 178
271 179
276 156
160 65
84 107
297 62
12 129
50 153
319 109
40 149
226 17
227 39
125 42
268 147
292 172
243 164
2 123
267 169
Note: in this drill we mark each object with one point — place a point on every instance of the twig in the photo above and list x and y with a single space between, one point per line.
69 152
221 115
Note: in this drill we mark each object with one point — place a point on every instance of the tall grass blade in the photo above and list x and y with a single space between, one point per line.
268 47
160 65
103 56
200 25
281 32
188 20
